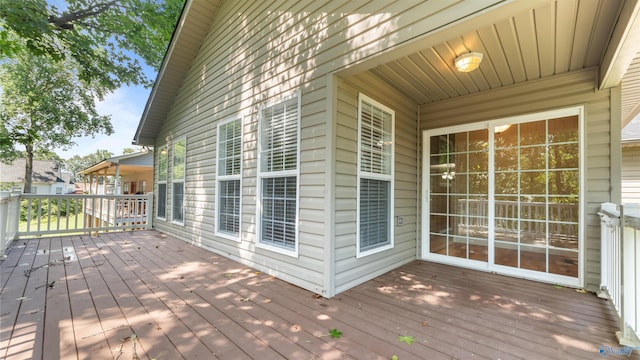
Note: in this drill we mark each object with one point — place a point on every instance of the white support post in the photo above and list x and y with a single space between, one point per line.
630 216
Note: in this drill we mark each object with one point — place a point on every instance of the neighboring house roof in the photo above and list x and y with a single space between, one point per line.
536 45
128 163
44 171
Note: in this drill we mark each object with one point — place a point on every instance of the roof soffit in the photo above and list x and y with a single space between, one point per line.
623 46
192 26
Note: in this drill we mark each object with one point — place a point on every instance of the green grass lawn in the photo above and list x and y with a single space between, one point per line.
63 224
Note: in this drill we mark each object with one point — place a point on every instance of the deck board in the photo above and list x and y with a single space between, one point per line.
183 302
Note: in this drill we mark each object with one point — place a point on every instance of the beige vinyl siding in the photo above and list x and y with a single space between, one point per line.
569 89
350 270
631 175
257 52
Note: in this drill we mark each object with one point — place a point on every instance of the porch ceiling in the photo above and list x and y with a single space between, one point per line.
548 39
109 169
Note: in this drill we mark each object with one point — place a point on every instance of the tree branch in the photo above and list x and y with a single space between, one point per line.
66 21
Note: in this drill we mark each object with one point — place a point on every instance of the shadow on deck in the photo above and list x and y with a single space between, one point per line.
146 295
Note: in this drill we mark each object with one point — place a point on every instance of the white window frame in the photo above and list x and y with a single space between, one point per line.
278 174
175 181
222 177
390 178
162 149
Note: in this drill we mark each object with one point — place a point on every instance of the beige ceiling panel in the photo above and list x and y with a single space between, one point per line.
528 44
416 79
509 41
545 26
587 11
603 28
495 54
437 70
565 26
489 79
429 75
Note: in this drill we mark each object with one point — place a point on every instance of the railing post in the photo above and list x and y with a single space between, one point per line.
149 211
9 219
630 220
609 225
5 198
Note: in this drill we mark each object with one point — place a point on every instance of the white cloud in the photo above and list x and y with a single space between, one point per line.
125 106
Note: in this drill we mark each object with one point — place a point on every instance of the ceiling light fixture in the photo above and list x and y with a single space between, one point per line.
468 62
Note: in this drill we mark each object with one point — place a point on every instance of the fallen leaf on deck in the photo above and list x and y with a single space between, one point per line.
406 339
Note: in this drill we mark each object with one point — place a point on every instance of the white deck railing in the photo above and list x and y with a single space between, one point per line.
9 218
24 215
620 267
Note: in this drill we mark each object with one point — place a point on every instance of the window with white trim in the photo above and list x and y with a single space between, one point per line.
229 168
278 175
375 176
179 152
161 196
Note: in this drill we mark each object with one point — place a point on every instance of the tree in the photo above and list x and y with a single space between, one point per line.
101 36
94 43
78 163
44 104
45 154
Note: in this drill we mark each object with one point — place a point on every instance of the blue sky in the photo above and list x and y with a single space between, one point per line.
125 106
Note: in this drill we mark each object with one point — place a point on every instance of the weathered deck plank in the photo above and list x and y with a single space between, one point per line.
181 301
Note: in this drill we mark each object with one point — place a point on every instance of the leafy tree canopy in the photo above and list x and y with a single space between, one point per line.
57 57
101 36
78 163
44 105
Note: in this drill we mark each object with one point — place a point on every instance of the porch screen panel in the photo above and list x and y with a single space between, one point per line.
537 195
459 195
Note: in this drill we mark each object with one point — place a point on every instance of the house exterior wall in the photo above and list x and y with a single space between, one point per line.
138 178
42 188
570 89
352 270
255 53
631 175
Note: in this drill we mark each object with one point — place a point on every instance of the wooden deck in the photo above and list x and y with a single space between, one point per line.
130 295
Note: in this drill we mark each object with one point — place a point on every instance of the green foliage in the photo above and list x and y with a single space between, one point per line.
66 207
335 334
406 339
100 36
78 163
44 105
58 58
